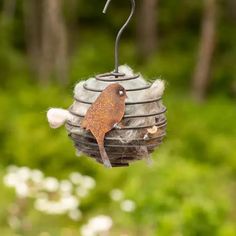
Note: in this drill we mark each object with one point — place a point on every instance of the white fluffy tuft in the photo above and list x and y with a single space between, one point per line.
126 70
57 117
157 88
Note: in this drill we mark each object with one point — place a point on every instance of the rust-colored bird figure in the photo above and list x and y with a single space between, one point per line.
105 114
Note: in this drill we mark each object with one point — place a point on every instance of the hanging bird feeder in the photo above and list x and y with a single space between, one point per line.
142 127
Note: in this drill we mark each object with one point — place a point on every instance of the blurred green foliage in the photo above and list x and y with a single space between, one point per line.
190 188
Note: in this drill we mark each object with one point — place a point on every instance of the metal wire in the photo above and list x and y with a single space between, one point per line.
157 124
116 72
163 110
111 139
127 103
113 77
127 90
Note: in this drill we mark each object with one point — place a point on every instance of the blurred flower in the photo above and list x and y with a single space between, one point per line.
66 186
75 214
24 173
25 181
128 205
70 202
88 182
87 231
22 190
84 181
37 176
51 195
12 169
76 178
58 206
81 192
21 180
50 184
11 180
100 223
97 225
116 195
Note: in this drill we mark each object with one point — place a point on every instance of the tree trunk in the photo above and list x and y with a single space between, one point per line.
9 7
47 39
232 8
71 8
54 42
147 28
33 31
201 77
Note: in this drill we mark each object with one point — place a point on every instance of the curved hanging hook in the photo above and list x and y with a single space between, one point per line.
119 33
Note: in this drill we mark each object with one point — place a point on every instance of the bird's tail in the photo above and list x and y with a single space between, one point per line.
104 155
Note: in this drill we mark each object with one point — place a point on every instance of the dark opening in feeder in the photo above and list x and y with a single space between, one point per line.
143 125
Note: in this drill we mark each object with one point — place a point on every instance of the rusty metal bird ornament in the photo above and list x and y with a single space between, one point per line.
105 114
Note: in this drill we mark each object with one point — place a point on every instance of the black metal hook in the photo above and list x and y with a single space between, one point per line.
116 72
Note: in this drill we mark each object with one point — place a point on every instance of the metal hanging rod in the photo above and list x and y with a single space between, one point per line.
116 72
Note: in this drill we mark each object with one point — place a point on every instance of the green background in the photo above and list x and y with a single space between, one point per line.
191 187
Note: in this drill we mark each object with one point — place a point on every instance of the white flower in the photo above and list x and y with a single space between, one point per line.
37 176
85 181
128 205
51 184
11 180
116 195
59 206
75 214
40 204
66 186
81 192
76 178
54 209
51 195
12 169
26 182
96 225
87 231
70 202
22 180
24 173
22 190
88 182
100 223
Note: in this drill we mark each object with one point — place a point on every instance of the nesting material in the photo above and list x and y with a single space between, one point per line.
143 126
57 117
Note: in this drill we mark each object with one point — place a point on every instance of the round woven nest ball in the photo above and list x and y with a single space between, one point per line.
143 125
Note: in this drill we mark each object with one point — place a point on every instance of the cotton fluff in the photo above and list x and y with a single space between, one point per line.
57 117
